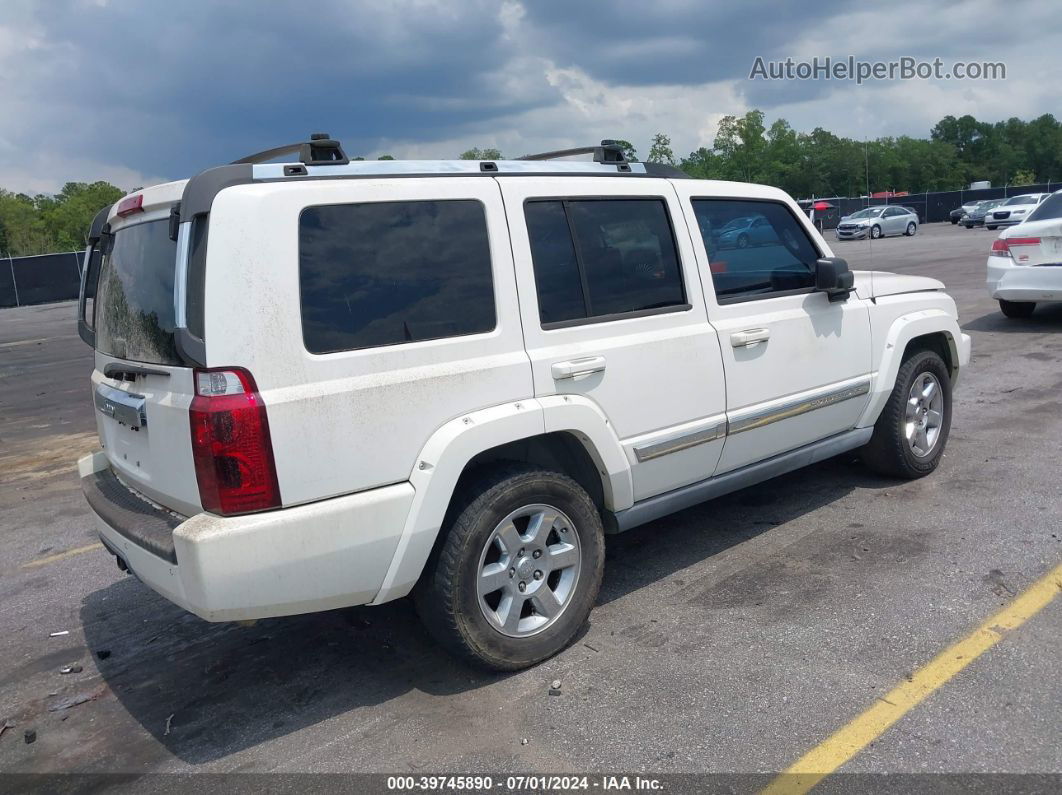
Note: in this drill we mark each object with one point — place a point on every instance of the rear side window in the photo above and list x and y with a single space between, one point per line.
134 296
1051 207
386 273
602 258
755 248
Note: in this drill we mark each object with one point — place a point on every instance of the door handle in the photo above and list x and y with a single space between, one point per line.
577 367
752 336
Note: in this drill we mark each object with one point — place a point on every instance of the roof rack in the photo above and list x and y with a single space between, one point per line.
608 151
320 150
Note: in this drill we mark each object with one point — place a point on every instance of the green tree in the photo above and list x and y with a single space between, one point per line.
660 151
481 154
702 164
1023 177
385 157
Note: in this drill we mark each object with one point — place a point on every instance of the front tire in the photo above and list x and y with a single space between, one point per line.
912 430
991 228
518 570
875 232
1017 309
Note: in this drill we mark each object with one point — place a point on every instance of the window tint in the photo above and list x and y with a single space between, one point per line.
622 257
393 272
134 296
1051 207
557 278
754 248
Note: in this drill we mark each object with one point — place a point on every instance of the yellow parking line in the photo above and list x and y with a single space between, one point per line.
33 564
845 743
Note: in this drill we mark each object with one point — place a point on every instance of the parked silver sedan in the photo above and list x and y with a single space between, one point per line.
875 222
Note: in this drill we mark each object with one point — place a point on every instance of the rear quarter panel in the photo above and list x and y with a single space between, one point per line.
352 420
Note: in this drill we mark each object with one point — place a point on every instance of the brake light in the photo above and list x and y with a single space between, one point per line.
1023 241
999 248
131 205
231 447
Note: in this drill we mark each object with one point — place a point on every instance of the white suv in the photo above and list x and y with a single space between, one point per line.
326 383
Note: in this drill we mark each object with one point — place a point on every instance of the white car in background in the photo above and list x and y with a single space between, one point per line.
1025 263
1014 210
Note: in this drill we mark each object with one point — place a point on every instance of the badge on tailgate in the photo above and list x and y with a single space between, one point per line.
125 407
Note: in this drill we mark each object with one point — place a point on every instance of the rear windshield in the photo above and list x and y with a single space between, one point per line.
134 299
1050 208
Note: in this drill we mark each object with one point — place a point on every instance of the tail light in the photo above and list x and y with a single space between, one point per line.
230 444
999 248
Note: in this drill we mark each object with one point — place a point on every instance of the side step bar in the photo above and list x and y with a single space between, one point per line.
654 508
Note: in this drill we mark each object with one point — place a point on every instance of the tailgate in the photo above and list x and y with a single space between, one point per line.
143 425
142 389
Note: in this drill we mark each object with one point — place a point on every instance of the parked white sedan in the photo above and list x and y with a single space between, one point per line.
1025 263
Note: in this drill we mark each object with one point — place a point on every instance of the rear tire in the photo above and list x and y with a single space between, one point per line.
991 228
1017 309
912 430
491 543
911 229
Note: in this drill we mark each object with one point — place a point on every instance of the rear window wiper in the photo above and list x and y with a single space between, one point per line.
127 372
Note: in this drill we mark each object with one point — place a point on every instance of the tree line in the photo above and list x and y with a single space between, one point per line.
957 152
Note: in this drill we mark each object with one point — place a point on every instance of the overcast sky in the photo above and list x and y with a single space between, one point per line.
137 92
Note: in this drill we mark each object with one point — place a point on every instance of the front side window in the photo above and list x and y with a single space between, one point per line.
134 295
598 258
387 273
754 248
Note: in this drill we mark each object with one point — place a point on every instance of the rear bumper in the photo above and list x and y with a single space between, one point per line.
302 559
1011 282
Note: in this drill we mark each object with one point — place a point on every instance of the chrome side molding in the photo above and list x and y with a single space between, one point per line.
673 444
749 419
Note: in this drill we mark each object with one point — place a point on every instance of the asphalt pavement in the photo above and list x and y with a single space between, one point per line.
731 637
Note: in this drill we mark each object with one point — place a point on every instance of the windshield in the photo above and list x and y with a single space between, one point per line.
1021 200
1050 208
869 212
134 298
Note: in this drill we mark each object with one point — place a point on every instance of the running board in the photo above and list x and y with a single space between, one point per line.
654 508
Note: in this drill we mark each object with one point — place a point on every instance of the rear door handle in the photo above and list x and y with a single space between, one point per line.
577 367
752 336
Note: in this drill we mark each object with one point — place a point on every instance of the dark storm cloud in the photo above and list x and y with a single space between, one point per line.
169 88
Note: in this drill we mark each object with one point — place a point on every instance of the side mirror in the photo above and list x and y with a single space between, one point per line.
833 278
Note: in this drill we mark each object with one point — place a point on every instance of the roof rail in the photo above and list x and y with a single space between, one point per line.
318 151
607 152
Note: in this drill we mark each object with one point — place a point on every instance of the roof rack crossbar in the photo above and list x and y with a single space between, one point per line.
320 150
606 152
